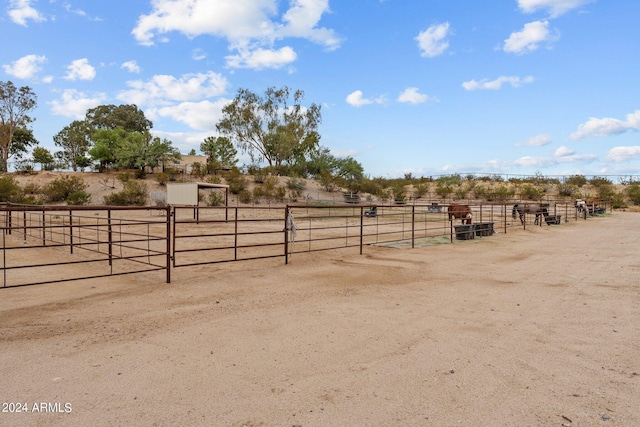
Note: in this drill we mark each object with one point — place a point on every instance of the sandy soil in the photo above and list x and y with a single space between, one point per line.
532 328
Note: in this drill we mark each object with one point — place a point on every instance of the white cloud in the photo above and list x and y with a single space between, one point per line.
248 25
496 84
529 38
198 54
357 99
564 151
20 11
25 67
412 95
75 104
432 41
537 141
197 115
164 89
622 154
555 7
607 126
131 66
80 69
262 58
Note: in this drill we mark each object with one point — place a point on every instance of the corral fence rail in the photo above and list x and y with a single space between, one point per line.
40 242
129 240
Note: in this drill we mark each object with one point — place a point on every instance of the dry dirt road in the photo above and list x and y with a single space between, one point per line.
533 328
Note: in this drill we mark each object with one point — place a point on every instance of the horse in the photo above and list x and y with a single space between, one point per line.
539 209
588 206
462 212
581 207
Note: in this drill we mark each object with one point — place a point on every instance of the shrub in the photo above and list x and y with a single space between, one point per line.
460 192
633 192
500 193
59 189
125 176
9 189
566 190
244 196
399 193
531 192
443 190
134 193
296 184
214 179
600 182
577 180
421 190
215 199
198 170
162 178
78 198
237 182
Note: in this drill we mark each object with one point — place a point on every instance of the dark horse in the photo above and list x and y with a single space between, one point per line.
539 209
462 212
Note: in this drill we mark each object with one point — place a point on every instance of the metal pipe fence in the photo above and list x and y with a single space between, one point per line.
114 241
97 241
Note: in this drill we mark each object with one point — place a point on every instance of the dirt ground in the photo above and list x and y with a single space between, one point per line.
531 328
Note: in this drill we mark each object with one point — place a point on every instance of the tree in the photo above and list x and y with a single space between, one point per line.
43 156
161 151
23 139
268 128
74 140
105 141
219 150
127 117
14 105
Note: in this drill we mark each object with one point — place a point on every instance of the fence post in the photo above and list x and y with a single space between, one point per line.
235 236
413 226
24 224
109 239
361 227
174 215
71 230
168 236
4 261
44 231
286 236
505 218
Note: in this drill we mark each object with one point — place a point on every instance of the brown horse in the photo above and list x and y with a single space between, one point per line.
539 209
462 212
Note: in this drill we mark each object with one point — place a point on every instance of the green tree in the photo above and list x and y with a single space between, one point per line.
105 142
43 156
127 117
75 140
15 104
23 139
219 150
269 128
159 151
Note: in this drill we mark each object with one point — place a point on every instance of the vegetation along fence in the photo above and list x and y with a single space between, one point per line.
47 244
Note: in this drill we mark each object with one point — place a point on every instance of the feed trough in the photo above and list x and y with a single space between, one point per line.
553 219
465 231
484 229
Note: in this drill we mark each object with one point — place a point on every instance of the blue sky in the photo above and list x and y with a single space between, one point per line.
406 86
